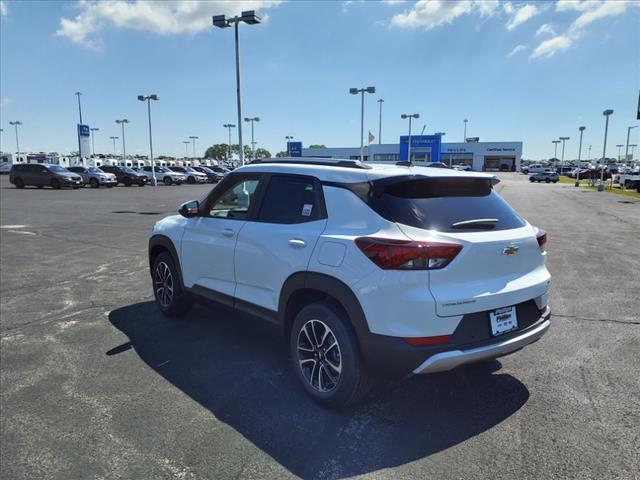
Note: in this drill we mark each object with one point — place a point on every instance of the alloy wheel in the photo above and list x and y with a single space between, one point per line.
163 283
319 355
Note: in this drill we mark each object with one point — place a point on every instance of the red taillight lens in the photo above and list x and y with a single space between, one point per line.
422 341
541 236
391 254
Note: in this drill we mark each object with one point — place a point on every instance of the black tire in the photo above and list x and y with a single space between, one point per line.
170 298
18 182
547 180
532 180
75 188
55 184
191 180
126 182
141 184
167 181
94 183
327 385
40 187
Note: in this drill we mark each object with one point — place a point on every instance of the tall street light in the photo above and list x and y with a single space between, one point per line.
221 21
253 143
555 148
288 138
606 114
124 149
464 140
619 145
16 124
148 98
563 140
114 144
361 91
380 101
193 139
186 148
93 145
1 130
590 146
229 126
409 116
80 114
582 129
633 146
626 150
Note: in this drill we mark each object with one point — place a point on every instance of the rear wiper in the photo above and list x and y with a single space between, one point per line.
476 223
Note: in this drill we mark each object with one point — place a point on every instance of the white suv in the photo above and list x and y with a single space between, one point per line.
368 270
164 175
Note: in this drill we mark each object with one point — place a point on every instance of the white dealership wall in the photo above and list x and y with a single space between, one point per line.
477 154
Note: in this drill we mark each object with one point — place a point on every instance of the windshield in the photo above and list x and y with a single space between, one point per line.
206 170
190 170
95 170
127 170
58 169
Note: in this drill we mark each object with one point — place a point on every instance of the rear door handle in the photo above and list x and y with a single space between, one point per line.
297 243
227 232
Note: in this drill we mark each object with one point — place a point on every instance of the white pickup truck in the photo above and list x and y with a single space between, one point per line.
630 181
535 168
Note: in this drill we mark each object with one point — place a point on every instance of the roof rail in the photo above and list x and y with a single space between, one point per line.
331 162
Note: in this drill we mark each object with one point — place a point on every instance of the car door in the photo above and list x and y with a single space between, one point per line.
209 240
40 175
291 217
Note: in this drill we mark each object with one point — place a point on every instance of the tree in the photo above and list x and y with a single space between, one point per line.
317 145
263 153
219 151
282 154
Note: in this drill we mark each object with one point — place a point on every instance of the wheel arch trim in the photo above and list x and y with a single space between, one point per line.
164 242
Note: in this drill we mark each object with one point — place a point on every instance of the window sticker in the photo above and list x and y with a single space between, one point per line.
306 210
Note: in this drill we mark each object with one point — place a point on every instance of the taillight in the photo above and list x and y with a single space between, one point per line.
541 236
391 254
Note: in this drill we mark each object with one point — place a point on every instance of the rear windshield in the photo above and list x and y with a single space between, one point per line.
448 205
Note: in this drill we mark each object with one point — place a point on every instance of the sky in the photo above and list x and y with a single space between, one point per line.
518 71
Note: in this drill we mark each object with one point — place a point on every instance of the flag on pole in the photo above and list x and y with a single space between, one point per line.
371 137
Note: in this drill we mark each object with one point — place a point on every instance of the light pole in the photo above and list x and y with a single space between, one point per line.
563 140
361 91
619 145
633 146
590 153
380 101
16 124
582 129
464 140
409 116
124 149
186 149
80 114
114 144
1 130
193 139
221 21
93 145
555 148
229 126
253 143
288 138
148 98
606 114
626 150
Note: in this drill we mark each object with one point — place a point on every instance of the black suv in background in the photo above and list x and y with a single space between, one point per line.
43 175
126 175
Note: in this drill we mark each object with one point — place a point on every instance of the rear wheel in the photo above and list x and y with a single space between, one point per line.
325 356
126 182
168 181
532 179
18 182
170 298
94 183
55 184
191 180
547 180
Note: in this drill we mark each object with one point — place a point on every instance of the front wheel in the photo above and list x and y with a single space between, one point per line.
191 180
532 180
170 298
168 181
55 184
547 181
325 356
18 182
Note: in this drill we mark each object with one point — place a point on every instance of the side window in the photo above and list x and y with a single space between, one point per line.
236 199
39 168
290 199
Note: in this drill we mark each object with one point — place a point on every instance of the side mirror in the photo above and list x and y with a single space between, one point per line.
189 209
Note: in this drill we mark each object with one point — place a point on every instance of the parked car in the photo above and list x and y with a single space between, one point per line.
565 170
94 176
164 175
193 175
463 167
630 181
535 168
547 177
213 177
437 165
5 168
222 170
418 286
43 175
126 175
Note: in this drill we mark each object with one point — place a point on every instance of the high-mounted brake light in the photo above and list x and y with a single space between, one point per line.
541 236
391 254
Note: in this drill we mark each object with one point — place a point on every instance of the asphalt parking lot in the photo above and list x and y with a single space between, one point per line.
95 383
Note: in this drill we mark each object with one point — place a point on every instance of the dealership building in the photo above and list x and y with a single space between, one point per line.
481 156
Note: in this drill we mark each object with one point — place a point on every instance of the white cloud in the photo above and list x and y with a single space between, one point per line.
508 8
5 102
3 8
393 2
429 14
575 5
549 47
607 9
545 29
522 14
517 49
170 17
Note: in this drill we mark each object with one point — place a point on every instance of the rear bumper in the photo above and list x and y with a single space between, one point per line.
441 362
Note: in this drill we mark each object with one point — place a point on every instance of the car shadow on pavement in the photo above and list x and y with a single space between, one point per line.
237 367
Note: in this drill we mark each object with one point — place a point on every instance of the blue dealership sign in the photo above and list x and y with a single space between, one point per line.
295 149
425 148
83 130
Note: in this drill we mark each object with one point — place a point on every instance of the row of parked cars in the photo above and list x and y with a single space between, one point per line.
55 176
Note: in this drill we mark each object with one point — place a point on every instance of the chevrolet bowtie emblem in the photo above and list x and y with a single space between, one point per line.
510 250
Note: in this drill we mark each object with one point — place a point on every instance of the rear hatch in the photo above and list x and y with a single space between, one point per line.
500 263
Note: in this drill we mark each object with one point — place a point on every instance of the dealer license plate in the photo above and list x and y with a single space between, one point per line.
503 320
